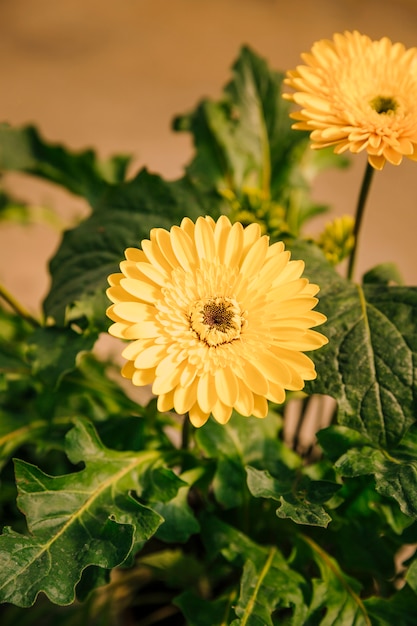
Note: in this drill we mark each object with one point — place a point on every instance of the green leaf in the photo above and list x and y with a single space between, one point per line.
90 252
301 498
395 473
400 609
200 612
244 143
23 149
242 441
179 520
383 274
369 364
267 585
411 576
53 352
17 430
174 567
76 520
334 593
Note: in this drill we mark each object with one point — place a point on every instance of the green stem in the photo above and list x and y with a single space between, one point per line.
185 434
366 184
17 307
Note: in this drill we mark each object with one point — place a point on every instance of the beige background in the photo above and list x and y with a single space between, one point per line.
111 75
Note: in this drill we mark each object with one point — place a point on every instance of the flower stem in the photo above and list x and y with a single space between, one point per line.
366 184
17 307
185 433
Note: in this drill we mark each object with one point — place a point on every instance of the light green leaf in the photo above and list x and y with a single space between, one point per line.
76 520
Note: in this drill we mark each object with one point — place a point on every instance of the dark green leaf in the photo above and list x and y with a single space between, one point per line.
23 149
179 520
400 609
335 594
383 274
369 364
200 612
268 584
90 252
300 497
53 352
242 441
244 143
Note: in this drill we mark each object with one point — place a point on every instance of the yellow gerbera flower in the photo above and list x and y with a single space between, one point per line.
357 94
217 317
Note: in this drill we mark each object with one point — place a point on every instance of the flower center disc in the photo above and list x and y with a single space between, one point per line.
216 320
384 104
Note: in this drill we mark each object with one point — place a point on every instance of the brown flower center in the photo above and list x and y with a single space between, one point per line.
384 104
216 320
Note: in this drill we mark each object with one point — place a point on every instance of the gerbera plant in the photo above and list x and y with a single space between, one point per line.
159 496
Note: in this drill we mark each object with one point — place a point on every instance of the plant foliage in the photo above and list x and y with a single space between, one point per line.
112 512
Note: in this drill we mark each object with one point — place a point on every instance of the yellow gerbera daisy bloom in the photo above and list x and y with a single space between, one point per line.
357 94
217 317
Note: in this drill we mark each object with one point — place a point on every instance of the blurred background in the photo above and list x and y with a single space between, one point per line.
112 75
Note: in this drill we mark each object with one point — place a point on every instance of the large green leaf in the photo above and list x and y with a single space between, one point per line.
82 173
76 520
369 364
90 252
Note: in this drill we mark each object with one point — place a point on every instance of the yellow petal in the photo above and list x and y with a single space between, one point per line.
255 257
151 356
185 397
183 249
141 289
226 384
221 412
261 406
143 377
165 402
244 403
206 392
204 239
254 379
197 416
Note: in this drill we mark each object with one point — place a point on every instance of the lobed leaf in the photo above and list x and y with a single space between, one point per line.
75 521
300 497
